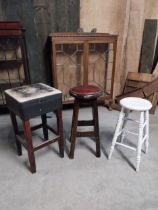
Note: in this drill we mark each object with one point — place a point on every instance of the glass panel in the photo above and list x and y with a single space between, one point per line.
11 65
100 65
69 66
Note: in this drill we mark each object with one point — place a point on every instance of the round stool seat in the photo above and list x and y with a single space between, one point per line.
86 92
136 104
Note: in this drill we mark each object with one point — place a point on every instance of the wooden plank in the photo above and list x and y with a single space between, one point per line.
149 91
137 80
151 88
148 46
154 100
134 93
143 77
135 84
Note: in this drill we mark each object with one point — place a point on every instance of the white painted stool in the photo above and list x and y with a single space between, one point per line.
133 104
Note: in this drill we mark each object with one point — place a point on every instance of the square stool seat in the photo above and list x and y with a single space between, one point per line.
30 101
33 100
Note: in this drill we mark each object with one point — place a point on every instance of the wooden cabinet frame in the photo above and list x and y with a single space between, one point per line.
84 39
14 70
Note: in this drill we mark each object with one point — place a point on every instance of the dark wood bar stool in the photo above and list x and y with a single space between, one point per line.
31 101
85 95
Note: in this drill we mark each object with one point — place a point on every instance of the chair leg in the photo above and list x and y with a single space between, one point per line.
124 126
44 124
140 138
147 131
16 131
74 128
28 136
117 130
60 132
96 126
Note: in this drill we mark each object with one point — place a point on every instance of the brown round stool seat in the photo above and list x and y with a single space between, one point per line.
85 94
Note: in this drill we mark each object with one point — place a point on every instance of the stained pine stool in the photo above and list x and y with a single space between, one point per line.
85 95
28 102
141 106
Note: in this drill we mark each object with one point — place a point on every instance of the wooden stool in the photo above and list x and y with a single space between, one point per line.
85 94
30 101
133 104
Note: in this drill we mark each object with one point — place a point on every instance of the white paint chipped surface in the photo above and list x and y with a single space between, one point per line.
29 92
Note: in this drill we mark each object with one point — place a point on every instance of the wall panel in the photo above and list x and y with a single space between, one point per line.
40 17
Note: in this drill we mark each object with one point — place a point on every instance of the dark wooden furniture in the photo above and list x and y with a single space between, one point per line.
30 101
140 85
13 58
82 95
80 58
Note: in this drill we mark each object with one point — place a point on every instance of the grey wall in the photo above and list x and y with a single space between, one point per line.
40 17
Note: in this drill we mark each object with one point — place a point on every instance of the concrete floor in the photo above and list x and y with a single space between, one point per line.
85 183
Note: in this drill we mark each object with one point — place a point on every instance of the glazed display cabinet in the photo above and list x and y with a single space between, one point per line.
13 58
81 59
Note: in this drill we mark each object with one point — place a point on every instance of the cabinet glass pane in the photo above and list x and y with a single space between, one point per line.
69 67
100 63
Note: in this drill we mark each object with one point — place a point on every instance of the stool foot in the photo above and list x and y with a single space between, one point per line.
33 169
117 130
140 138
28 136
146 146
137 169
111 151
138 159
138 164
16 130
60 132
44 124
74 128
71 156
62 154
147 131
19 148
98 154
32 161
96 127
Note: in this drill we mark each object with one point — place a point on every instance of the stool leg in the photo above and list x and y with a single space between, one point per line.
16 131
28 136
60 132
124 125
74 128
140 138
147 131
44 124
116 134
96 127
